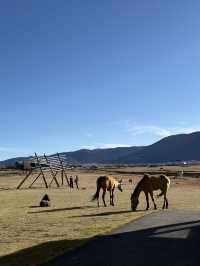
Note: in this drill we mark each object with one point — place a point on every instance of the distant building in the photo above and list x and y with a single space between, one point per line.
27 164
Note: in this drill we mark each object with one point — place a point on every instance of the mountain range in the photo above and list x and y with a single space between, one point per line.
181 147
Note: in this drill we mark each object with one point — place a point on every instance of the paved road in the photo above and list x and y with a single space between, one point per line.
167 238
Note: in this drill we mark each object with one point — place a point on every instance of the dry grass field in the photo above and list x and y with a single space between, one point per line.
31 235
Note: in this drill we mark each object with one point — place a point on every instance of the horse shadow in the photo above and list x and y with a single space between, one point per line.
105 213
60 209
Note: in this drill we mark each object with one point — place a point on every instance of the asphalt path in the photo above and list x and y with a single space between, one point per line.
163 238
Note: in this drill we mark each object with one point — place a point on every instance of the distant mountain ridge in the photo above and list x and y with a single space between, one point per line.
12 161
85 156
182 147
101 155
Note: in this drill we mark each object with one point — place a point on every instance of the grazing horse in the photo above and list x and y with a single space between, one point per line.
148 184
106 183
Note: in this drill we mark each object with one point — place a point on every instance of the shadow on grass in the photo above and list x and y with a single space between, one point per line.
41 253
62 209
104 213
152 246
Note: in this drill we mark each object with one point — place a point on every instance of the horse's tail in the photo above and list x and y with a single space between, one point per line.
96 195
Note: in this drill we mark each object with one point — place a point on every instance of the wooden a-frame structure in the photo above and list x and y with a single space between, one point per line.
54 165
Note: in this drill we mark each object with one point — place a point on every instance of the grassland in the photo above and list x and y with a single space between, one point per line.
31 235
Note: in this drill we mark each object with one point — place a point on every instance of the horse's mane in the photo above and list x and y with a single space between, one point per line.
135 192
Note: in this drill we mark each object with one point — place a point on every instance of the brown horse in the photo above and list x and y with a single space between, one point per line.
148 184
106 183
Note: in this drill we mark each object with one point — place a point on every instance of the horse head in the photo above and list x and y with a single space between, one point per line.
120 186
134 202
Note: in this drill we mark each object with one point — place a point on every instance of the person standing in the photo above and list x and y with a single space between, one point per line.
71 184
76 181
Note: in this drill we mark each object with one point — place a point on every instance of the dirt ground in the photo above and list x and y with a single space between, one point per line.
31 235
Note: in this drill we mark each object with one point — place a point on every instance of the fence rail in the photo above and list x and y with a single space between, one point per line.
53 164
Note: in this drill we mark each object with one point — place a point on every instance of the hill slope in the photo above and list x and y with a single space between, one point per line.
87 156
183 147
100 155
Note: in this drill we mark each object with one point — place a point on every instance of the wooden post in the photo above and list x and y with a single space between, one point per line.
52 172
66 177
53 179
63 169
67 180
41 170
22 182
35 180
62 177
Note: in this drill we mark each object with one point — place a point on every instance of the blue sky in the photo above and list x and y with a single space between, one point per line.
90 73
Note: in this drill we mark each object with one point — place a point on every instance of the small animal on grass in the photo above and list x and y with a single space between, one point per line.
148 184
108 183
45 201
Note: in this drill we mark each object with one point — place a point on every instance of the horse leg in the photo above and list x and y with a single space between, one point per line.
112 197
103 197
166 200
147 200
163 207
98 201
164 203
151 194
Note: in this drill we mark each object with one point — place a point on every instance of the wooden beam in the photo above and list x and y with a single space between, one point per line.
45 182
67 180
35 180
66 177
63 169
52 172
62 178
53 179
22 182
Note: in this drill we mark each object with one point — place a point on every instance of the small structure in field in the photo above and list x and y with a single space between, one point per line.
180 173
45 201
39 165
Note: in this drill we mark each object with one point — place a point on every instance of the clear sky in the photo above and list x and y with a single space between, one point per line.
91 73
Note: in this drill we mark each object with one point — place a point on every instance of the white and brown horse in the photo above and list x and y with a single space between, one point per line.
108 183
148 184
